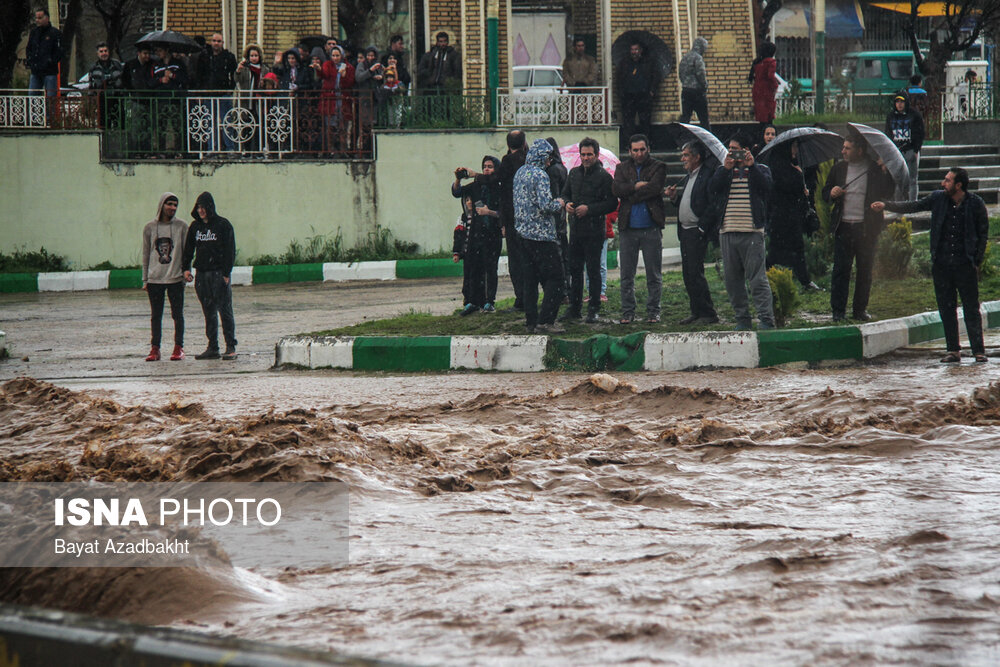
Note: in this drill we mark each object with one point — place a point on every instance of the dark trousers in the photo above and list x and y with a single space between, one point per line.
542 264
694 245
492 258
585 251
478 268
693 100
950 279
786 247
174 292
637 109
217 303
853 242
515 263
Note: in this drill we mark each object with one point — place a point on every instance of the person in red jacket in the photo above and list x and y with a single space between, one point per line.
337 103
765 83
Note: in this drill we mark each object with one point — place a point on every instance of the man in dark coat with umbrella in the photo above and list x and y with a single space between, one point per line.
853 184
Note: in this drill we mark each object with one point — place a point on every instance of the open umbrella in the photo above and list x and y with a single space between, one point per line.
887 152
684 132
815 145
172 41
571 158
654 48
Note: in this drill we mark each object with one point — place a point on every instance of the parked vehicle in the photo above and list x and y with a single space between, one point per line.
872 72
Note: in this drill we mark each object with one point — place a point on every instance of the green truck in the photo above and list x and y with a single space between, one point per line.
872 72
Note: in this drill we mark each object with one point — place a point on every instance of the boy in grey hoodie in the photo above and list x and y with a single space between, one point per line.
163 240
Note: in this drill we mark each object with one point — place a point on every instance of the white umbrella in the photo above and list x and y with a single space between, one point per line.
887 152
688 132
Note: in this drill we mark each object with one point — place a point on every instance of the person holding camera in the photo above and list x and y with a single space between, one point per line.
479 241
744 188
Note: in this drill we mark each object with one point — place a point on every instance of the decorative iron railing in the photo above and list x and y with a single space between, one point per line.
970 101
23 110
561 106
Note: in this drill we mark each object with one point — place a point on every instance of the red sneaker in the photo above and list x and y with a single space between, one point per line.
154 354
178 354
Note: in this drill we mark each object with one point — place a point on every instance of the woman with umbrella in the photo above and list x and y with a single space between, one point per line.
788 211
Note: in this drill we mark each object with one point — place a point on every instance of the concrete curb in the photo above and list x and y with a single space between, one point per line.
404 269
3 345
636 351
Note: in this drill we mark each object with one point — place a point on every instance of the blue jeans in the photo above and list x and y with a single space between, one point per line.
604 268
48 81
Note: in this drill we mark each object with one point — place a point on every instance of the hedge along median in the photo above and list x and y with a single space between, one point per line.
268 274
636 351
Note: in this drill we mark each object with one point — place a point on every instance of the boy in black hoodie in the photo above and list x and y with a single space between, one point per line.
905 126
211 243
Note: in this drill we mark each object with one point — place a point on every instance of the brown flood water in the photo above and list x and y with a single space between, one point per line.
837 517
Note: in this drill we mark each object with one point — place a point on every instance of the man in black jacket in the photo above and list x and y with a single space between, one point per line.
697 224
211 244
853 184
959 230
440 68
742 188
637 80
43 53
217 72
589 200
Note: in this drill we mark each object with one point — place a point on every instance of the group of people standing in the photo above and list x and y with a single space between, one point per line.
170 250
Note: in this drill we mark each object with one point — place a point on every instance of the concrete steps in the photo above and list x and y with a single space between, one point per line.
958 149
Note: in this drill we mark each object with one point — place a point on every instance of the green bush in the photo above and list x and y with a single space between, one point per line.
785 293
378 245
895 249
32 261
988 268
819 254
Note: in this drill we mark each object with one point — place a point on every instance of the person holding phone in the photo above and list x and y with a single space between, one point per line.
744 187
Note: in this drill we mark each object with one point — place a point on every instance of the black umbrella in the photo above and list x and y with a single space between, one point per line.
652 46
888 153
815 145
172 41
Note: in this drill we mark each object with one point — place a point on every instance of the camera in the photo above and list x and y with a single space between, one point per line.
461 172
738 155
480 204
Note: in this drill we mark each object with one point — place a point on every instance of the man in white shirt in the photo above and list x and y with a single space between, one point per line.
852 186
696 225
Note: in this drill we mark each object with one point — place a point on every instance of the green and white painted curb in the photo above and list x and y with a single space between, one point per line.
633 352
404 269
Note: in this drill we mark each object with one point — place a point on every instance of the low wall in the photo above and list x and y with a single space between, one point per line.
56 193
972 132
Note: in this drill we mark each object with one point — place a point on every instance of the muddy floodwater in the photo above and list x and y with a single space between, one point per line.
774 516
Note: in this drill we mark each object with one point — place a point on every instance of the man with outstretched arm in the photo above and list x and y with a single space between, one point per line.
959 230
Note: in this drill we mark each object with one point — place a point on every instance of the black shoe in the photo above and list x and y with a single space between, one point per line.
839 317
570 316
468 310
229 354
690 319
707 320
592 318
209 353
863 316
550 328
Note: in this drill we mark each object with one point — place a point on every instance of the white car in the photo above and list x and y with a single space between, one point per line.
533 94
531 79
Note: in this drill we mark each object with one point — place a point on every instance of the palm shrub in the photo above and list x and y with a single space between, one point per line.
784 292
895 249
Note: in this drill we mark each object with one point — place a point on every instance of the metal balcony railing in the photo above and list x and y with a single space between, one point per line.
556 106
